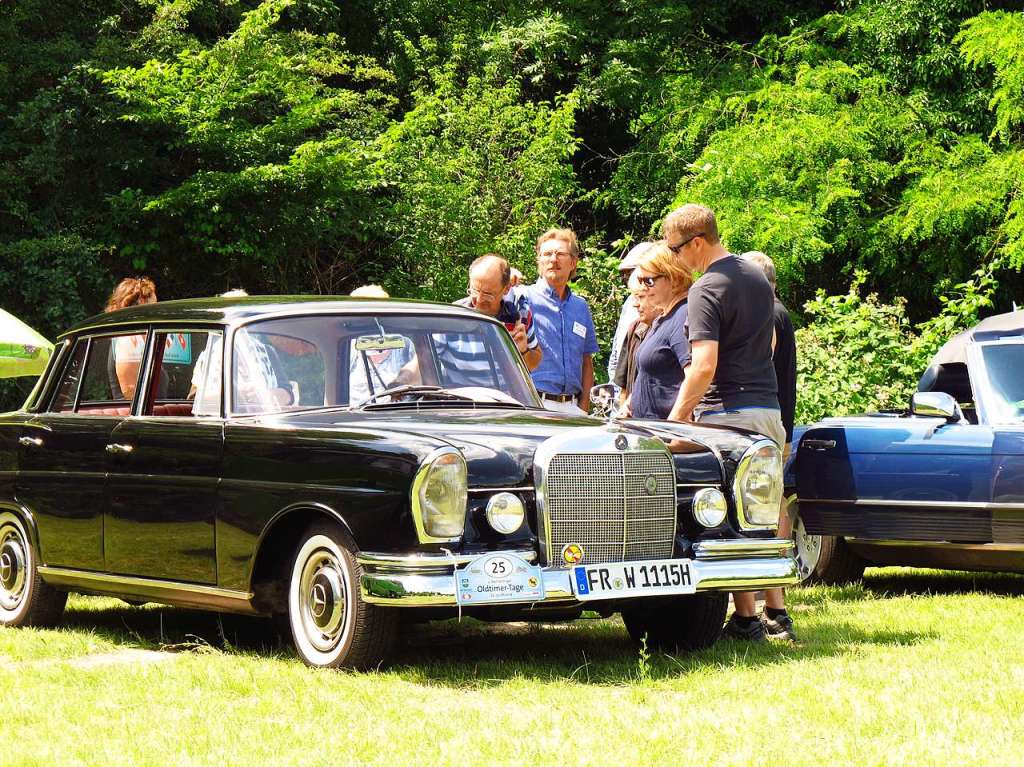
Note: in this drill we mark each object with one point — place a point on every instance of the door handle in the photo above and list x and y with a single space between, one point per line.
30 441
119 449
818 444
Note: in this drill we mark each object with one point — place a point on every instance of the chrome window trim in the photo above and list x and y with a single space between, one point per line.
415 311
414 496
741 470
157 330
33 402
88 340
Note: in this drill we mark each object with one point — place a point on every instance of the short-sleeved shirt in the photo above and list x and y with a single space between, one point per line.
733 303
785 366
660 360
565 330
511 312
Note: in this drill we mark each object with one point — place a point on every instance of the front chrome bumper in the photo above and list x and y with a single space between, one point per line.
428 580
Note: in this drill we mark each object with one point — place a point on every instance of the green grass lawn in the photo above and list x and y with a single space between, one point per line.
913 668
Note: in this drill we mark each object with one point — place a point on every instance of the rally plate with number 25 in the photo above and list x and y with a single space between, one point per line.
634 579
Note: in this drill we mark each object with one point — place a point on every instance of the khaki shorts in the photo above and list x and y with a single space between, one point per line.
763 420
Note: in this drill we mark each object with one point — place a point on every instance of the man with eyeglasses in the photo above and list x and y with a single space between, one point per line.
489 278
565 328
731 376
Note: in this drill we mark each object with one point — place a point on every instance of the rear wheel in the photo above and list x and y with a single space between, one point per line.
330 623
25 600
689 622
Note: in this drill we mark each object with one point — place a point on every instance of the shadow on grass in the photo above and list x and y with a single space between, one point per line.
473 654
903 582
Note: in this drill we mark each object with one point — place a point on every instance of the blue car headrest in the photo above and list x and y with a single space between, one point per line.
951 378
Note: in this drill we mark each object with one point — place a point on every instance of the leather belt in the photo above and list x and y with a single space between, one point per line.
558 397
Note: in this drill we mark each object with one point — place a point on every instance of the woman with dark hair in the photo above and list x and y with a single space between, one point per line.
126 353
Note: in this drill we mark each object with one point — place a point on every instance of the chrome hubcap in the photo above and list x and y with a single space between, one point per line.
322 590
808 549
12 567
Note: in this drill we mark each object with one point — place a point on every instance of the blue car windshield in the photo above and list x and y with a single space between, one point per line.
1004 364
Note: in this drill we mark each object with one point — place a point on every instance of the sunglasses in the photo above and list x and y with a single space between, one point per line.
676 248
649 282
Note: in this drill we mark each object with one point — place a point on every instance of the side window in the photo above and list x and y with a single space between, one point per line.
101 375
71 378
112 371
186 378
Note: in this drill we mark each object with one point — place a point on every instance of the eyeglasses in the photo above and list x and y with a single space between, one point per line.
676 248
554 255
474 293
650 281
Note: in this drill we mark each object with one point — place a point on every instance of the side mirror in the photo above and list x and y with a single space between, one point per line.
935 404
602 400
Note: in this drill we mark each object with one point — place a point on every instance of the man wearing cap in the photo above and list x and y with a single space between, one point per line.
628 315
564 325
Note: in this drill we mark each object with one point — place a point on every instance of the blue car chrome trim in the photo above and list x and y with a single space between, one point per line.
919 504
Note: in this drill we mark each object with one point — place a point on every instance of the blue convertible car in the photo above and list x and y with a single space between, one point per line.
940 485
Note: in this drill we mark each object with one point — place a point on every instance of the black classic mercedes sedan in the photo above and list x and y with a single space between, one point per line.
334 462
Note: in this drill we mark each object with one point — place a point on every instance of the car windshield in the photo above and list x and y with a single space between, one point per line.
349 360
1004 368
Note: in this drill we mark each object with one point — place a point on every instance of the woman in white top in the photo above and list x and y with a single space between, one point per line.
127 350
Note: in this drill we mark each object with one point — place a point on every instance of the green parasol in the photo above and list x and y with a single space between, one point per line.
23 352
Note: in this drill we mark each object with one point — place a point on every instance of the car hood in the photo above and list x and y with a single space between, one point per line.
499 444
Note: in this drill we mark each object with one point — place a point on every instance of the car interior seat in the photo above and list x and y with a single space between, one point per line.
953 379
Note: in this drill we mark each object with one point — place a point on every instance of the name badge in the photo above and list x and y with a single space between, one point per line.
579 329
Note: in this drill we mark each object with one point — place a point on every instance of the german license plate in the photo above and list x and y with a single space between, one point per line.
634 579
498 578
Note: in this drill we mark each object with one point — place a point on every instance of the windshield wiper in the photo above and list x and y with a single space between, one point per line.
426 392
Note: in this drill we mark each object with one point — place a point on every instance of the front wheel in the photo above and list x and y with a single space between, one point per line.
330 623
689 622
25 600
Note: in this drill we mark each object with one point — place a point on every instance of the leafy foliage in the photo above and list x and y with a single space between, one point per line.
308 145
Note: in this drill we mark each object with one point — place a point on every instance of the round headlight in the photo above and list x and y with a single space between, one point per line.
505 512
710 506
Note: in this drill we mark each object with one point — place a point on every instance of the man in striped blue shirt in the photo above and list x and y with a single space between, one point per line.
488 293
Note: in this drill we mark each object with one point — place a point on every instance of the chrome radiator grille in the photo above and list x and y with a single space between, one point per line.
616 506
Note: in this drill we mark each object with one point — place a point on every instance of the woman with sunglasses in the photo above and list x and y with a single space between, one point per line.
664 352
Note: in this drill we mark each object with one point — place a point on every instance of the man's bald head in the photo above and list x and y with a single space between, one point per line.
489 277
491 266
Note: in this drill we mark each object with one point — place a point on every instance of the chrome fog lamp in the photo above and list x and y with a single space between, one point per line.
439 496
505 512
710 506
758 486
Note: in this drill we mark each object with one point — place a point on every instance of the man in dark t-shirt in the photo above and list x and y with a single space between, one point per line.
731 377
